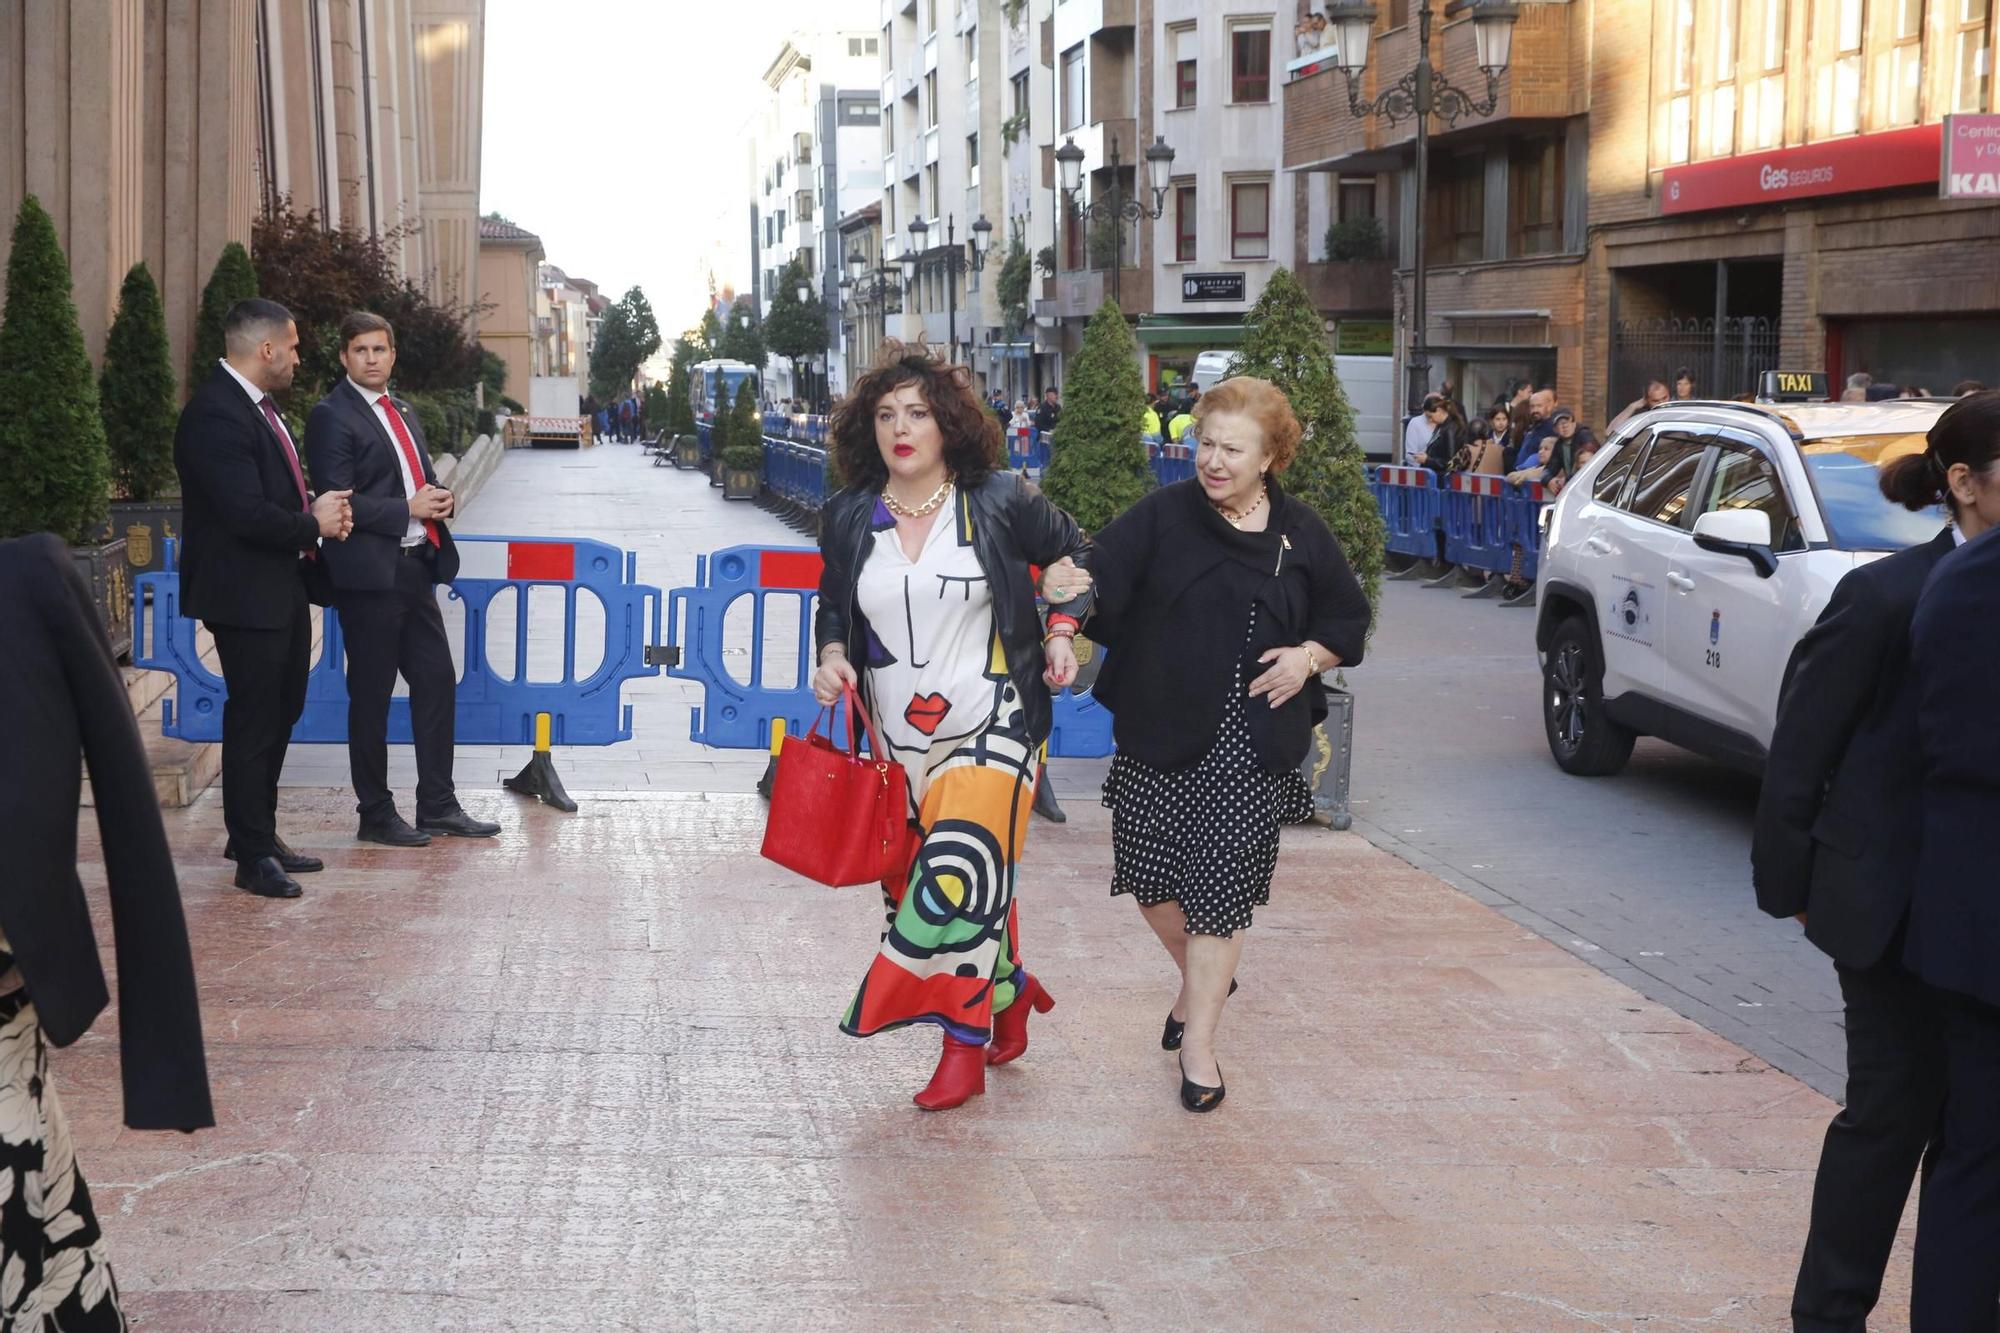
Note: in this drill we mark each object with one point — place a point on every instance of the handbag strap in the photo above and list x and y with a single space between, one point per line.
874 739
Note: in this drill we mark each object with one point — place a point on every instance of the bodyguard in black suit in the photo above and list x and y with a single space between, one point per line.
385 577
1954 936
250 562
1835 845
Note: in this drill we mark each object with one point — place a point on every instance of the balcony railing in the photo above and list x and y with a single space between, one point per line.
1544 80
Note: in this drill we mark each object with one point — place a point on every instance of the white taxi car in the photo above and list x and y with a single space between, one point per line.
1682 566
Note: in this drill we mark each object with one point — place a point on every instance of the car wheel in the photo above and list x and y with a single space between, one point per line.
1583 740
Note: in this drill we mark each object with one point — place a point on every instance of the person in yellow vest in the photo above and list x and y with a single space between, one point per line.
1178 426
1150 423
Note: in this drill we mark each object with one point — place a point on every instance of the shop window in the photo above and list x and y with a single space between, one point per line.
1184 222
1764 81
1249 64
1836 53
1455 211
1250 220
1535 196
1072 88
1972 56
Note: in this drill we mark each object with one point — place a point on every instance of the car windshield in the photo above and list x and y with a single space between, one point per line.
1858 517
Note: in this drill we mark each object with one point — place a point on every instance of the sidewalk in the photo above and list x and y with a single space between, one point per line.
587 1076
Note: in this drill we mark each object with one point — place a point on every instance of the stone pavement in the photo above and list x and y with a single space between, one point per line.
587 1076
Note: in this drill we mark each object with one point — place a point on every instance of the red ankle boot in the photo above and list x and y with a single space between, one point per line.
1010 1029
961 1075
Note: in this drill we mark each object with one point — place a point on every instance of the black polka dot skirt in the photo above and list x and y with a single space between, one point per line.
1207 836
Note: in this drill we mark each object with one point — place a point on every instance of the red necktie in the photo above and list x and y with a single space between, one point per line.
291 454
402 433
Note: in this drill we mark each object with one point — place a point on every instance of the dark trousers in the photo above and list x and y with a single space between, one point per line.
1895 1096
264 671
1957 1283
386 632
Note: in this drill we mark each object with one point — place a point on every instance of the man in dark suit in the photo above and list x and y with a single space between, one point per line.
385 579
1954 942
1835 846
250 562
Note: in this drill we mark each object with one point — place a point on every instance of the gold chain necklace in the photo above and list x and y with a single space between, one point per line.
1238 520
929 506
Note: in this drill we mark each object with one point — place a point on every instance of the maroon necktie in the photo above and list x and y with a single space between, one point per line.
410 457
291 454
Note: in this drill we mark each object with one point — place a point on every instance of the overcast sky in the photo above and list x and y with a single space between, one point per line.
614 130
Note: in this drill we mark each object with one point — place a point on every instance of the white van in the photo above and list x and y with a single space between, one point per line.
1370 384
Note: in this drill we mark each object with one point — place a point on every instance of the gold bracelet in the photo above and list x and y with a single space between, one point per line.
1313 667
1063 633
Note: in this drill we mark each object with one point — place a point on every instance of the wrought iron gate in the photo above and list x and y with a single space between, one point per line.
1726 355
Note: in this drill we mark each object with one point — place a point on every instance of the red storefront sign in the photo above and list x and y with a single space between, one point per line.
1971 158
1841 166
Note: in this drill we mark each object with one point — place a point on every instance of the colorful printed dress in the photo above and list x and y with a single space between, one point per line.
936 684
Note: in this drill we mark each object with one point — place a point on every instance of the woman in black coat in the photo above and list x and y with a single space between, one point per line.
1838 828
1222 600
1954 934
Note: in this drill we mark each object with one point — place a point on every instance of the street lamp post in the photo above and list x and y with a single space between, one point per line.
1159 163
864 281
1423 92
953 261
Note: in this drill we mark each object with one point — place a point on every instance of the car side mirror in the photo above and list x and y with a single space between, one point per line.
1740 532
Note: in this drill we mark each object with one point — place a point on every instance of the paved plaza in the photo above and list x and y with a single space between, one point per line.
587 1076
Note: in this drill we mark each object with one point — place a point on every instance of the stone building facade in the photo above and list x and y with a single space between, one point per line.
158 130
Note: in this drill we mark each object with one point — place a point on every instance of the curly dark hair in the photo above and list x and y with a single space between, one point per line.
972 442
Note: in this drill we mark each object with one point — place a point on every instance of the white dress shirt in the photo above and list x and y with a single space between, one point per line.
413 534
257 397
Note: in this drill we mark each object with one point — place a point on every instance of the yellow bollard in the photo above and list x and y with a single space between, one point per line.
771 769
539 778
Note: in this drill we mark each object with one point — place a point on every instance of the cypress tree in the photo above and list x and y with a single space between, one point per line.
1097 463
234 279
136 391
53 472
1285 342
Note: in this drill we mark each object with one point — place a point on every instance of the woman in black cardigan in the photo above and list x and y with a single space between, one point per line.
1221 600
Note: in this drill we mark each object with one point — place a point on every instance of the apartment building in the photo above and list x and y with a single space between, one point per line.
510 263
1723 186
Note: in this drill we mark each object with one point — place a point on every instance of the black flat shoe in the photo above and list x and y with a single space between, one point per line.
1170 1038
392 830
1197 1098
457 824
290 861
267 879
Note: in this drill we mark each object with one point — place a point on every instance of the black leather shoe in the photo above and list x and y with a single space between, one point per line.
267 879
1170 1038
293 862
1198 1098
457 824
392 830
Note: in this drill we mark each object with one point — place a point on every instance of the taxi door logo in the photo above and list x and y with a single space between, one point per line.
1715 629
1631 611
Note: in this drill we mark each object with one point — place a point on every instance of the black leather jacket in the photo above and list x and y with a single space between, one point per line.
1013 527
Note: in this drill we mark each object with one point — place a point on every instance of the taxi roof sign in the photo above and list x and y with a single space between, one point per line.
1792 386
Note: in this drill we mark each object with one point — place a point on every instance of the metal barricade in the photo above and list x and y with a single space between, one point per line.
493 708
774 653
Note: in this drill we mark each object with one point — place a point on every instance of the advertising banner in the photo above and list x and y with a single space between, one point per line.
1971 167
1839 166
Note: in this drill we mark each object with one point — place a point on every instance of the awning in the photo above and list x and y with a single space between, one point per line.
1172 331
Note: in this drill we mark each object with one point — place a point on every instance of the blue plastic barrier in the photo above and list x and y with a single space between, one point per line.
1412 509
782 584
1477 534
492 709
795 473
1026 449
1171 462
1524 505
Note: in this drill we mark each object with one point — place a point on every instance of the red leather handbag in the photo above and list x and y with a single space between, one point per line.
835 817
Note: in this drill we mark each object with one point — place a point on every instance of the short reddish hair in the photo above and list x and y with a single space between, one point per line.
1263 402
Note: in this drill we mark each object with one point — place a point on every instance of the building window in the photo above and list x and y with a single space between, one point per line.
1718 99
931 188
1764 94
1019 83
1972 58
1072 88
1183 39
1250 64
854 46
1184 222
1356 198
1836 53
1455 212
1901 79
1680 82
971 160
1250 220
1535 197
871 46
930 100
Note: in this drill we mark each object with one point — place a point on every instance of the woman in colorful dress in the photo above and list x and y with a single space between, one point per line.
927 604
1221 599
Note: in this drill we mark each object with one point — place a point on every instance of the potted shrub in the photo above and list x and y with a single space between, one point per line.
1284 341
742 459
54 476
136 397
